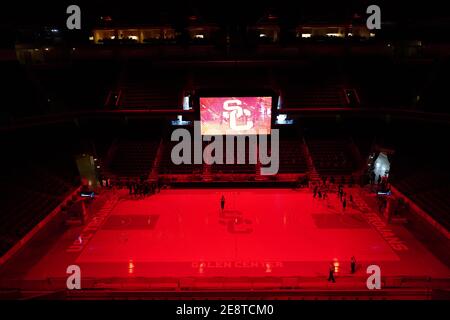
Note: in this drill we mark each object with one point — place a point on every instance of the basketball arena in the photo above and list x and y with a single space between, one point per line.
182 155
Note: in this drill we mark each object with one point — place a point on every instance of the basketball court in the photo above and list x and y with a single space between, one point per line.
261 232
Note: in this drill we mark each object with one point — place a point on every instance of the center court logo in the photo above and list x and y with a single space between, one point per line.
213 152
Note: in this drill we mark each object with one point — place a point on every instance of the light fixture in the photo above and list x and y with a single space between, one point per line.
281 118
336 265
186 103
130 266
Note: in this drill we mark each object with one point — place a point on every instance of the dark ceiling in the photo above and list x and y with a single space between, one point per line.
45 12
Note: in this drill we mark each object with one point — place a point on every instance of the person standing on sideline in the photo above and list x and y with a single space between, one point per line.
130 187
315 192
222 202
331 273
344 203
353 265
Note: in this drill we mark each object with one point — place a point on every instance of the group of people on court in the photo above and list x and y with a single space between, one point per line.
321 192
142 188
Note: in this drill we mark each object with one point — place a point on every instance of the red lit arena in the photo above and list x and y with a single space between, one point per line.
268 233
186 159
269 241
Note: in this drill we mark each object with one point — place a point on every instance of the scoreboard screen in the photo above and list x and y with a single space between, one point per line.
235 115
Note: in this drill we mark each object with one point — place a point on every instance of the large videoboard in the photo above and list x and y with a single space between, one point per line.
235 115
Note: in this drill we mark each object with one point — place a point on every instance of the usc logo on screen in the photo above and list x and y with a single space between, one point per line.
234 111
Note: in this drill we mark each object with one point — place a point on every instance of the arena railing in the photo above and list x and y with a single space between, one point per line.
271 283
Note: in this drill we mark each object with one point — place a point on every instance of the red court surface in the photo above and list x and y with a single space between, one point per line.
262 232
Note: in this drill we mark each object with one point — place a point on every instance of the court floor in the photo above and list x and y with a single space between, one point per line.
260 232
